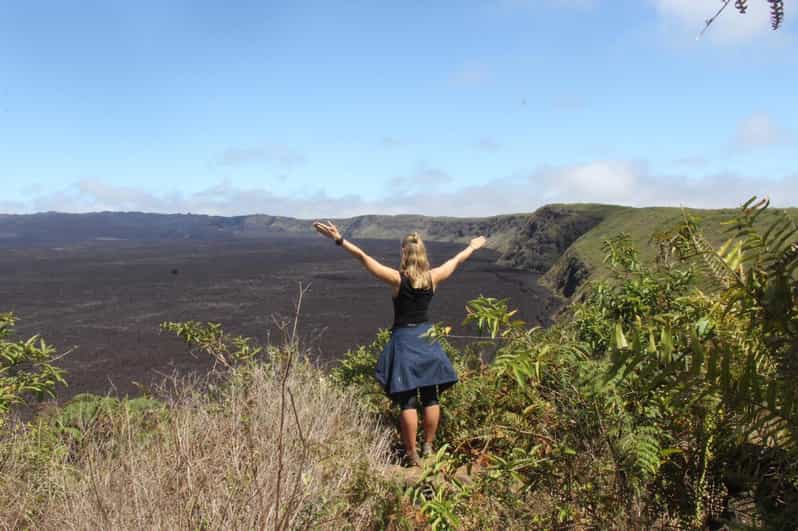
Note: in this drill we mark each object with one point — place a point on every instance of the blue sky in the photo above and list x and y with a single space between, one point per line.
314 109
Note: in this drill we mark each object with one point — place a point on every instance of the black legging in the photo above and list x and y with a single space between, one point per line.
410 399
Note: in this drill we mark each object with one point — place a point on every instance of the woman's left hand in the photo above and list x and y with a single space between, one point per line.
327 229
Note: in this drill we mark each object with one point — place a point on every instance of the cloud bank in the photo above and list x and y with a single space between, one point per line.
617 182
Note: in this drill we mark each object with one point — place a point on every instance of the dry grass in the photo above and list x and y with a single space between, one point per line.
213 460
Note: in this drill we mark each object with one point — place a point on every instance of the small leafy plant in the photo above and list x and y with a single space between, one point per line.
26 368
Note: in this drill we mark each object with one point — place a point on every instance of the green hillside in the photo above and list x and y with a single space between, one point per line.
583 260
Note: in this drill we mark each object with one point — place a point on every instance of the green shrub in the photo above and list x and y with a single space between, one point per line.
88 415
26 368
666 397
356 371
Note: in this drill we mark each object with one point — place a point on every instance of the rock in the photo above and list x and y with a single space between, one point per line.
550 231
568 275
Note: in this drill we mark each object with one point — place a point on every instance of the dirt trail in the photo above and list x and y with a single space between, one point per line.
412 476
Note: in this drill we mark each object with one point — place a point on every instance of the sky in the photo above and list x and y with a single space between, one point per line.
317 109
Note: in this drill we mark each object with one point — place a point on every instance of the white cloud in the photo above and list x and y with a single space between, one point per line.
283 156
759 130
688 16
602 181
92 195
423 179
617 182
632 183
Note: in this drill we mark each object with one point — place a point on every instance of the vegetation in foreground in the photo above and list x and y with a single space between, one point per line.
266 442
652 404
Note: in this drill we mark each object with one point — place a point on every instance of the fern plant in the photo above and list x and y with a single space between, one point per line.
726 354
759 312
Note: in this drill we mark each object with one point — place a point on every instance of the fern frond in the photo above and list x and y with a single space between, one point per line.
776 13
643 449
742 6
721 270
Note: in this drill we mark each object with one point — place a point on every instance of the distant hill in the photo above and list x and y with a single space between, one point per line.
561 241
528 241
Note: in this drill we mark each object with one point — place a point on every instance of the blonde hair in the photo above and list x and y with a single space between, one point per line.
415 263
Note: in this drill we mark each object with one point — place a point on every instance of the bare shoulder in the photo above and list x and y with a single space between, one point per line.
393 277
439 274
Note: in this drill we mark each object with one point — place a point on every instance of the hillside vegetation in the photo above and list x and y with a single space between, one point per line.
584 259
664 398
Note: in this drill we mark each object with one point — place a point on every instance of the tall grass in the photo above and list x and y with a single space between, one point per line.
212 458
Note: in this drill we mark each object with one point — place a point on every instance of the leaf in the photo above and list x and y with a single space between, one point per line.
620 338
666 340
703 326
725 371
725 247
712 365
667 452
777 225
771 395
698 356
652 345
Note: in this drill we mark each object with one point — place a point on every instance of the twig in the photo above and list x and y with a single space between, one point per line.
100 503
283 392
708 22
283 524
67 353
296 419
483 338
530 433
302 291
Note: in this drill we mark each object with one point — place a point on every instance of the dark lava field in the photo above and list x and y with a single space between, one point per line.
107 298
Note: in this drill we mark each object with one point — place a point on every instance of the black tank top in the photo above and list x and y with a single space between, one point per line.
410 304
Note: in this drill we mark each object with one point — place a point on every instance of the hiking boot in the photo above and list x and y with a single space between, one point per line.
427 451
412 459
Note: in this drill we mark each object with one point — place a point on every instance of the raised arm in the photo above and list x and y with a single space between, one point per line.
444 271
382 272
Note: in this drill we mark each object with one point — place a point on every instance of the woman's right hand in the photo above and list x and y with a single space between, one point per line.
327 229
477 242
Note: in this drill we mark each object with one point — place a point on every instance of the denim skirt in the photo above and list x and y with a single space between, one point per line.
410 361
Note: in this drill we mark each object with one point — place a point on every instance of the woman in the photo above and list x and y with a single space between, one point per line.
411 368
